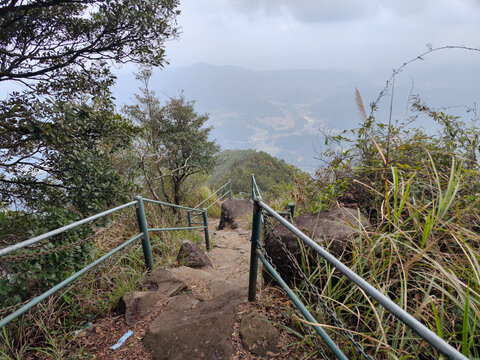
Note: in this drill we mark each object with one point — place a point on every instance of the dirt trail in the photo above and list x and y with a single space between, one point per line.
200 323
204 321
230 256
201 313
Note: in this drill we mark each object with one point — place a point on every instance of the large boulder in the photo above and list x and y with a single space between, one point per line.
235 213
333 230
194 328
258 334
161 285
192 256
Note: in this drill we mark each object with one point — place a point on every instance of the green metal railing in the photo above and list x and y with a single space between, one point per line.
255 190
228 191
143 235
289 213
259 210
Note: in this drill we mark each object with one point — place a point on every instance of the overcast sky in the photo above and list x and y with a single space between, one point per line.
342 34
368 36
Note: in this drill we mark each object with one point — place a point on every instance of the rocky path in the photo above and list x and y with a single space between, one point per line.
198 323
199 310
191 312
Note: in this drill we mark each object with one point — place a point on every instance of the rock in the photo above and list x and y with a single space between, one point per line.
192 256
220 245
209 282
333 230
138 304
235 212
165 282
245 233
190 328
258 335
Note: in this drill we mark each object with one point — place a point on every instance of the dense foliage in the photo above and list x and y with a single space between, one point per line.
60 136
174 144
38 268
58 129
61 157
271 174
420 192
58 42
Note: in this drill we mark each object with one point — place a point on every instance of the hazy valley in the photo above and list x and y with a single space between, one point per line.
285 112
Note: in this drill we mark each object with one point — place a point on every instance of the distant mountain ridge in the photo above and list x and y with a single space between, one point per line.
279 112
286 112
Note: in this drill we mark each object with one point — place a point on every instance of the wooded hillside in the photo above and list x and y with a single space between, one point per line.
238 165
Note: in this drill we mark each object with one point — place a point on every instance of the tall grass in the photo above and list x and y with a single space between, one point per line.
47 331
215 210
423 248
423 252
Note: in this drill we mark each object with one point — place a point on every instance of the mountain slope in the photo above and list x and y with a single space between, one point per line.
238 165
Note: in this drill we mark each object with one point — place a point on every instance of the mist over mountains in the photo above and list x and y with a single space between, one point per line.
285 112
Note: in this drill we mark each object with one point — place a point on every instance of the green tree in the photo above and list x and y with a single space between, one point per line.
62 158
44 39
58 169
174 144
185 144
59 130
60 137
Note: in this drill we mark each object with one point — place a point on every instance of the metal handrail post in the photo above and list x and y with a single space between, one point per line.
142 225
189 216
207 234
253 187
291 210
256 227
230 189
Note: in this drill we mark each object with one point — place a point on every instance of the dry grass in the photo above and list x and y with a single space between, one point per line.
47 331
424 254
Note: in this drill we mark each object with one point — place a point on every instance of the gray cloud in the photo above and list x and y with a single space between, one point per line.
308 10
326 10
341 34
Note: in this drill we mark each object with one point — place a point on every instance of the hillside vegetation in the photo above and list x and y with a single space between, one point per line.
66 156
420 192
271 173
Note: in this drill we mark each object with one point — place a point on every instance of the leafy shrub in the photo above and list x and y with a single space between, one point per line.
32 270
214 210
